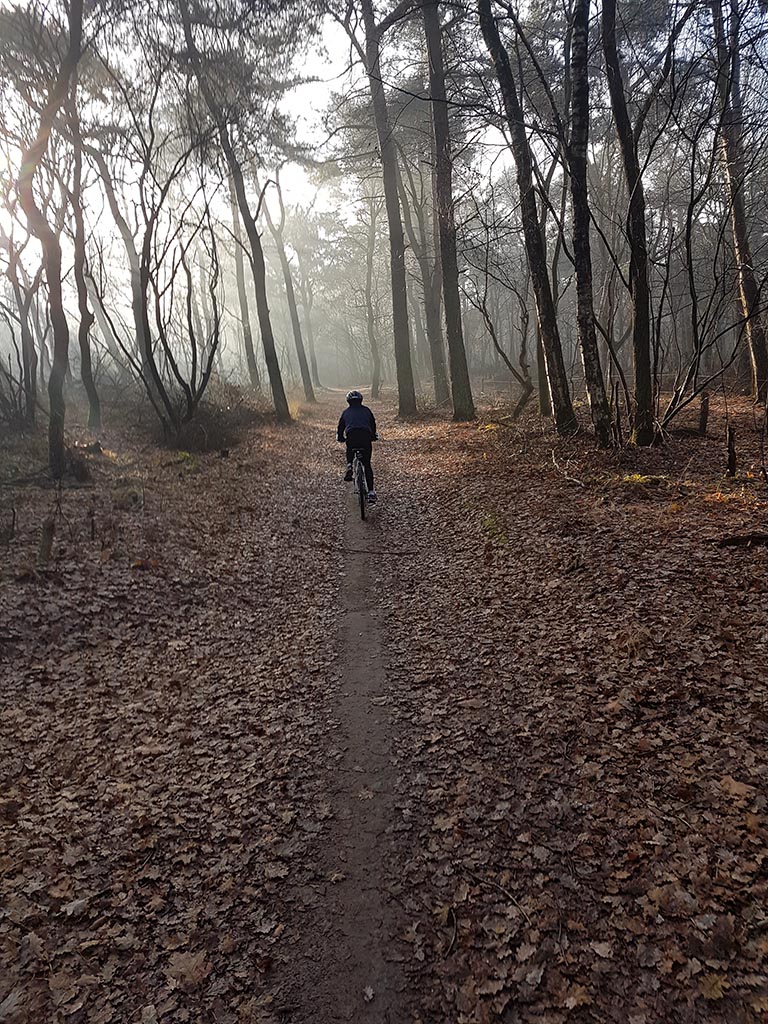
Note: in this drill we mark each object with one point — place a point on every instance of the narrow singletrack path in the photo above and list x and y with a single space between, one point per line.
345 972
346 966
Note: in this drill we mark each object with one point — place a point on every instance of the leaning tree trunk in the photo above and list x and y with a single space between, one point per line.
306 377
105 328
565 419
290 294
638 247
49 241
257 253
734 168
42 323
242 294
311 344
542 387
461 389
259 281
405 383
582 256
305 290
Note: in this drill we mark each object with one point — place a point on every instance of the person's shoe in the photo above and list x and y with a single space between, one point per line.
372 499
348 474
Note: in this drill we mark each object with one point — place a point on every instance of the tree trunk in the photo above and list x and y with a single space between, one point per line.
105 328
542 387
306 378
42 330
290 294
734 168
434 328
405 383
577 162
257 253
305 289
434 298
370 321
461 388
420 344
201 328
565 419
638 248
260 283
311 346
143 338
242 295
152 375
86 316
430 280
28 350
49 241
209 319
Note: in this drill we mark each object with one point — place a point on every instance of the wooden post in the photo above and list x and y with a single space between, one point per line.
704 413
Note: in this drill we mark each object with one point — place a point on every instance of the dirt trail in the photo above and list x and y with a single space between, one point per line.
344 968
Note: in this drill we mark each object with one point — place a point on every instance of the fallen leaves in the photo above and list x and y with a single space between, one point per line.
12 1006
738 789
163 741
603 949
577 996
582 705
577 694
188 970
275 870
713 986
77 908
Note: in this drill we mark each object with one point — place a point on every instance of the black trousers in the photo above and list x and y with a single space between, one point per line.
361 441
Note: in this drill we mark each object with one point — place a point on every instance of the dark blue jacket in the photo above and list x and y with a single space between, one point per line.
356 417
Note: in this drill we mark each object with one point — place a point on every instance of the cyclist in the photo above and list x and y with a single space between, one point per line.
357 427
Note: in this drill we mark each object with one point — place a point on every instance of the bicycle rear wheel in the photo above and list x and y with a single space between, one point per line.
361 487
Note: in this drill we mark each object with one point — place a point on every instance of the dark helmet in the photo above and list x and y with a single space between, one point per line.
354 396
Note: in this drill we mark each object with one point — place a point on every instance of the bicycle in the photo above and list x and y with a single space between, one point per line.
360 483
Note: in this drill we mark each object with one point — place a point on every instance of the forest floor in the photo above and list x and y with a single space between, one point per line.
496 754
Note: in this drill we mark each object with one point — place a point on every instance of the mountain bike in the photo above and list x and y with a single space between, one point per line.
358 478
